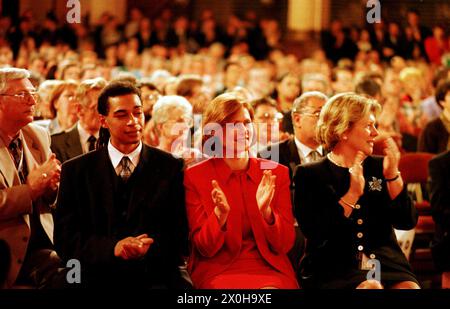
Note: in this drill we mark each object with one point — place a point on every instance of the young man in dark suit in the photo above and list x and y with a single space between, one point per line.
120 209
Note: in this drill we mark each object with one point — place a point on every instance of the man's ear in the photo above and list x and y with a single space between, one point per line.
103 122
296 118
79 110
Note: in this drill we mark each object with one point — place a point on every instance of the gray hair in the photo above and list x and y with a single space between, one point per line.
301 101
7 74
166 104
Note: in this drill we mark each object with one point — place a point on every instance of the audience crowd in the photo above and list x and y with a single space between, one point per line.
182 153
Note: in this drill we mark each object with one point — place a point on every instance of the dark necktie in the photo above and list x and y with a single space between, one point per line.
16 150
125 168
91 142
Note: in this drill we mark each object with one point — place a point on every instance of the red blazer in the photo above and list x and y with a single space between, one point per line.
214 249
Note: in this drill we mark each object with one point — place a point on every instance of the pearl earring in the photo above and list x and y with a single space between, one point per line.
344 138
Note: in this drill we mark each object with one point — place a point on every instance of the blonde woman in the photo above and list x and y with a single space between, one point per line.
348 203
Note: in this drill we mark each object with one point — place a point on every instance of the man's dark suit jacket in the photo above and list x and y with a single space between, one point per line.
66 145
439 169
89 221
287 154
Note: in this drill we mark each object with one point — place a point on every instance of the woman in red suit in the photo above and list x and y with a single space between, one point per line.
239 208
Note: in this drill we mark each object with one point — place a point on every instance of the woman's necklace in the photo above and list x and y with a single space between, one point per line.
334 162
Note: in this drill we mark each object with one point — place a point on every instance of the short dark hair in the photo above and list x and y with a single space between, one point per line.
263 101
441 91
368 87
115 89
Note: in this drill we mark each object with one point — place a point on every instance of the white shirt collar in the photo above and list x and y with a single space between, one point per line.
84 135
115 155
305 150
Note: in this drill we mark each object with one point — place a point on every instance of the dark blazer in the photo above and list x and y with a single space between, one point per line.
434 137
334 242
439 169
287 154
66 145
89 223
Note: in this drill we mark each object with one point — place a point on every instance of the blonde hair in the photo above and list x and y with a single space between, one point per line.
88 84
58 90
410 72
166 104
340 113
222 108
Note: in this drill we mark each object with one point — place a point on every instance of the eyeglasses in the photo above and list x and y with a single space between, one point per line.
270 117
313 114
187 121
307 113
24 95
152 97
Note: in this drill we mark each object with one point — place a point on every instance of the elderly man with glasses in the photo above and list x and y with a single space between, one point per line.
29 178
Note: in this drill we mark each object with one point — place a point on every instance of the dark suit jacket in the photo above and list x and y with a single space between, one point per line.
285 153
66 145
439 169
333 244
434 137
88 223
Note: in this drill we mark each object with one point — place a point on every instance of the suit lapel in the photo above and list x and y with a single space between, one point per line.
7 167
73 144
294 157
101 176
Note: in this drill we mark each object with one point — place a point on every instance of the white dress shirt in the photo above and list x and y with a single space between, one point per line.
304 151
116 156
84 135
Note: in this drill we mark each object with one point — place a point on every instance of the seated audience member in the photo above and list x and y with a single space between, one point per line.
83 137
267 123
120 209
435 136
410 115
370 88
43 109
64 105
286 90
30 176
439 169
348 203
150 94
303 147
172 116
239 208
